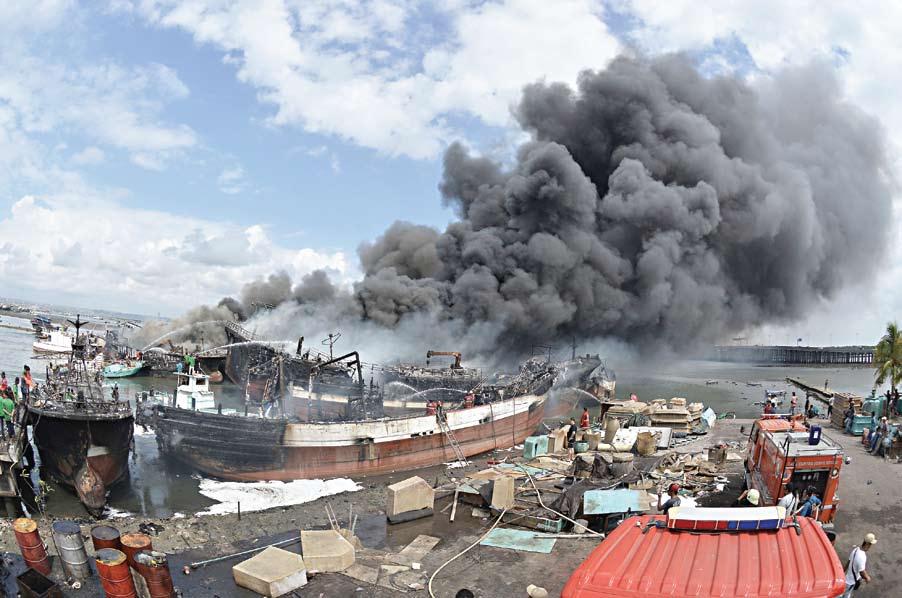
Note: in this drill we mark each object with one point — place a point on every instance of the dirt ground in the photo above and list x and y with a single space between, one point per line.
868 490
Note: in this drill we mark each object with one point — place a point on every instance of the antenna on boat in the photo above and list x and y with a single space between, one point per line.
333 338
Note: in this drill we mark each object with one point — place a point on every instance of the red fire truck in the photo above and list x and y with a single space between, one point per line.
783 454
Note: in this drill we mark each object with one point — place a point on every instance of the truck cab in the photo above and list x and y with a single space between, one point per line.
783 454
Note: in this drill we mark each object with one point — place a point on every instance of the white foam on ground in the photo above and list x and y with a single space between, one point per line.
114 513
139 431
457 464
258 496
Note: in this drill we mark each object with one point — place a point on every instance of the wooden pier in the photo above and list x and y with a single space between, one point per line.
851 355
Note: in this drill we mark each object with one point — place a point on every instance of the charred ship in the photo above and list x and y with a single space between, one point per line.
83 439
250 447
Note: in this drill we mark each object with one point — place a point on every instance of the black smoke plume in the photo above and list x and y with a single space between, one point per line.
652 205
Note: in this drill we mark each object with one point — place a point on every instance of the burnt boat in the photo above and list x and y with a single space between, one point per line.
248 448
404 389
83 438
252 364
409 383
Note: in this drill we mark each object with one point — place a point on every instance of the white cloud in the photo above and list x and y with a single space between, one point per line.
371 73
140 258
56 88
231 180
89 156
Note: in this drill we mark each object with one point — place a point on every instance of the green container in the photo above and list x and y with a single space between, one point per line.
580 447
535 446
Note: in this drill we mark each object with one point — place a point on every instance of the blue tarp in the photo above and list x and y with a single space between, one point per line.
516 539
608 502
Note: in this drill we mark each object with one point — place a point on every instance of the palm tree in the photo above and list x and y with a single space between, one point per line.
888 359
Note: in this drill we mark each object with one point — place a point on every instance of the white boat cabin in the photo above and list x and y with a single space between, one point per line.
196 386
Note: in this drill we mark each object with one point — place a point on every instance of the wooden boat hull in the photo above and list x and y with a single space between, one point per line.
253 449
88 456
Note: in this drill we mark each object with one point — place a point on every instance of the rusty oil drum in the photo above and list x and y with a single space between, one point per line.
132 543
105 536
154 568
32 547
115 576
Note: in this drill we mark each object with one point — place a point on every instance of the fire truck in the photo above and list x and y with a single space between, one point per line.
784 454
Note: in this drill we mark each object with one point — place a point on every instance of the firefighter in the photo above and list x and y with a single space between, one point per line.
749 498
811 506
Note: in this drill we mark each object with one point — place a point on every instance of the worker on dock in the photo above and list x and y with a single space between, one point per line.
791 500
674 501
878 435
856 571
793 403
7 407
571 439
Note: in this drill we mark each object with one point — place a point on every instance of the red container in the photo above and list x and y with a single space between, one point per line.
154 568
133 543
115 576
105 536
33 549
640 559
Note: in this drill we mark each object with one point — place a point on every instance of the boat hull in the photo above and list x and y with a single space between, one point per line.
253 449
88 456
122 372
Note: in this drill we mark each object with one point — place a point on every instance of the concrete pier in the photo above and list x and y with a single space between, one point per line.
764 354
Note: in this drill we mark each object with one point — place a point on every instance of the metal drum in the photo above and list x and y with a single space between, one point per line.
115 576
132 543
154 568
71 548
105 536
32 547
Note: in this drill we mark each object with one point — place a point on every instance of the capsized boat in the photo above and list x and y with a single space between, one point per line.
123 370
84 439
250 447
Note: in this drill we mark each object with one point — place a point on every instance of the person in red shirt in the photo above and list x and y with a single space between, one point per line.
584 420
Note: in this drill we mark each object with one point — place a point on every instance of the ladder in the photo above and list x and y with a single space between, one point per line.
455 446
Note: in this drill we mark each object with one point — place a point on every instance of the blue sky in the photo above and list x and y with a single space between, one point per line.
155 154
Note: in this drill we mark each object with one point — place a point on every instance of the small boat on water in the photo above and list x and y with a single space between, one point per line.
57 342
41 324
83 438
123 370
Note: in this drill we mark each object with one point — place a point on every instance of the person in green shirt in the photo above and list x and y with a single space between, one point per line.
7 407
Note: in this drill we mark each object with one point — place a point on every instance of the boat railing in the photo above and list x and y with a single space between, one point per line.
86 406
